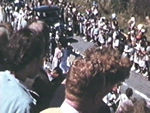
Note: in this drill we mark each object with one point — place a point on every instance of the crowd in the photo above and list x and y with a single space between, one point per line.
91 25
29 50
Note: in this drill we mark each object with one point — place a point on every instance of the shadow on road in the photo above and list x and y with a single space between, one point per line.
72 40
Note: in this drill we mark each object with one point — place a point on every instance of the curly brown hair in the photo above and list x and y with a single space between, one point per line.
90 75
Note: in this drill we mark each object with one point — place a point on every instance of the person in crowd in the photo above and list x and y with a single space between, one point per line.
23 59
126 102
90 78
5 32
55 76
57 56
112 98
45 85
67 51
46 63
2 14
126 108
132 23
114 21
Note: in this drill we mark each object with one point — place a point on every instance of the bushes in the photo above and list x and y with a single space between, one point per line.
137 7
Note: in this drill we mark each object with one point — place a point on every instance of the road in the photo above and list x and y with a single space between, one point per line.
137 82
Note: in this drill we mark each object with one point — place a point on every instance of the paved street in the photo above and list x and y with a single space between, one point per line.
140 85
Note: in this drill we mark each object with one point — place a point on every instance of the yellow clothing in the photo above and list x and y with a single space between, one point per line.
52 110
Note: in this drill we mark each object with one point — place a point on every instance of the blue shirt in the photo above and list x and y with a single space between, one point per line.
14 97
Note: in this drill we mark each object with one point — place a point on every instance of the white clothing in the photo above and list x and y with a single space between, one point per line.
101 38
136 58
63 63
116 43
142 63
110 99
45 65
66 108
95 12
148 49
123 98
124 103
50 77
109 40
56 58
133 39
2 15
114 35
138 46
96 31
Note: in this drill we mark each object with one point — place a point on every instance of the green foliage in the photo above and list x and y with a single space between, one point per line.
123 8
137 7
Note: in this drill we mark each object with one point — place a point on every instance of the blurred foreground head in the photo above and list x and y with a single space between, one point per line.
5 33
92 77
25 46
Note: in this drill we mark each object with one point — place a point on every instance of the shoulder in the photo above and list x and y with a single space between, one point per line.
123 97
52 110
9 86
6 79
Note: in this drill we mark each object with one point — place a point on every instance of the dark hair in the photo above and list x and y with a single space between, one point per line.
4 35
8 26
43 31
129 92
23 47
58 70
4 39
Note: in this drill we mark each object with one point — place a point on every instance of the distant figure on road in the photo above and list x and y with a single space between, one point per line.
57 56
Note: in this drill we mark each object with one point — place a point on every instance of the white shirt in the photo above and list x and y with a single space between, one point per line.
66 108
101 39
124 103
50 78
116 43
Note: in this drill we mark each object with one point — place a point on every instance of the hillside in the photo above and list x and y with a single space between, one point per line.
123 8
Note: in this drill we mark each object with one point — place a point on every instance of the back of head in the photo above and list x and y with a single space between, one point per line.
4 38
129 92
96 73
8 26
58 71
42 29
24 45
4 35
